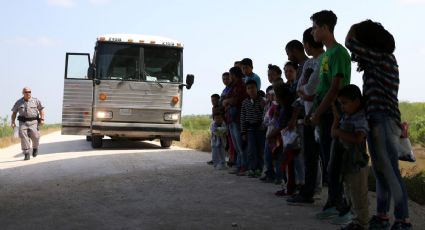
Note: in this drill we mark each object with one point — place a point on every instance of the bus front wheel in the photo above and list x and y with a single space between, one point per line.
165 143
96 141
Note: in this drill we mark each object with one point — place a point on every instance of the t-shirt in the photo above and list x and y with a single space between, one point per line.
254 77
335 61
380 80
309 80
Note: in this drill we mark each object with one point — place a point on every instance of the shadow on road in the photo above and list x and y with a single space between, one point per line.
85 146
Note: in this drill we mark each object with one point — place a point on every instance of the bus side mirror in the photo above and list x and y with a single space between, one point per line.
189 81
91 72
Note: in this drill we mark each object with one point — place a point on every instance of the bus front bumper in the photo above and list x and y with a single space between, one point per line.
143 131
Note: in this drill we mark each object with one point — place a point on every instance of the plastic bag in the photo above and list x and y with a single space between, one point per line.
290 139
16 132
405 152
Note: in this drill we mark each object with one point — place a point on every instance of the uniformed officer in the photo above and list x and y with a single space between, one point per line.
31 115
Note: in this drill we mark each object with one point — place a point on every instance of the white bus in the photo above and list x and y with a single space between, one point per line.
132 89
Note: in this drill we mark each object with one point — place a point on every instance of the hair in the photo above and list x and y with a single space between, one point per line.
251 82
247 61
237 72
308 38
375 37
261 93
291 63
225 74
269 88
295 45
215 96
325 17
237 62
351 92
275 68
283 92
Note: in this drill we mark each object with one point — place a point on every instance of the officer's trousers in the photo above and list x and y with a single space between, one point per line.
28 134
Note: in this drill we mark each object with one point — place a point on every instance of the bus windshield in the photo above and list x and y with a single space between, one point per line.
128 62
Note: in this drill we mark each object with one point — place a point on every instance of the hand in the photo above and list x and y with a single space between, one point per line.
13 125
315 119
334 132
41 122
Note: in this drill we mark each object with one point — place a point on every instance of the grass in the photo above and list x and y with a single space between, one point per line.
196 133
6 132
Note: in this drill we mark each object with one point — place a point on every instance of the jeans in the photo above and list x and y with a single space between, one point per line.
311 160
218 155
256 139
383 143
299 165
235 133
332 173
268 161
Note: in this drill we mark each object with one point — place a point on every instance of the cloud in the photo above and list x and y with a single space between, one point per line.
42 41
62 3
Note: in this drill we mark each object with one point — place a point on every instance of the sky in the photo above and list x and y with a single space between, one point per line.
36 34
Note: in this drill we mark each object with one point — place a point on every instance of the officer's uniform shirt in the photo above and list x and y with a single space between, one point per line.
28 109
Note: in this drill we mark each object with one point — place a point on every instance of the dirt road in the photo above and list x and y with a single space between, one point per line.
138 185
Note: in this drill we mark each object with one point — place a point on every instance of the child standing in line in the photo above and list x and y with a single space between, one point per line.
216 108
251 128
349 136
231 149
218 141
284 98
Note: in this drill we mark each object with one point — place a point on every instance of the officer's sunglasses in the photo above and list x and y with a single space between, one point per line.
27 91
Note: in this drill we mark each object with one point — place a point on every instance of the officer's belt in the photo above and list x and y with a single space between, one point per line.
24 119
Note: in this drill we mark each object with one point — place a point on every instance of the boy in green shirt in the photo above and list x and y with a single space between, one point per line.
335 72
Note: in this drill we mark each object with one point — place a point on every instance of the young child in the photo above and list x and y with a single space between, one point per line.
251 128
284 98
290 70
247 66
349 133
215 101
230 148
218 141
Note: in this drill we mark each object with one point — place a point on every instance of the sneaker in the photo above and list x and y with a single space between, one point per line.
242 172
34 152
353 226
327 213
342 220
210 162
299 200
401 226
283 192
27 156
221 167
251 173
278 181
257 173
378 223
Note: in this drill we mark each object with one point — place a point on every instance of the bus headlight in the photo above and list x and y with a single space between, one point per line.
104 115
171 116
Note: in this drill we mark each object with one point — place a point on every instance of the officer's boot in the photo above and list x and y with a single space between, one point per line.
27 156
34 152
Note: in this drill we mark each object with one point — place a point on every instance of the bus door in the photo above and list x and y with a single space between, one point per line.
77 95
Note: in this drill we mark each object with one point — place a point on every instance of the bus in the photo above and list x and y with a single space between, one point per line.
132 89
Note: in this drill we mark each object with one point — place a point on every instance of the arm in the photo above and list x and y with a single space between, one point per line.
328 100
353 138
359 50
41 122
13 119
